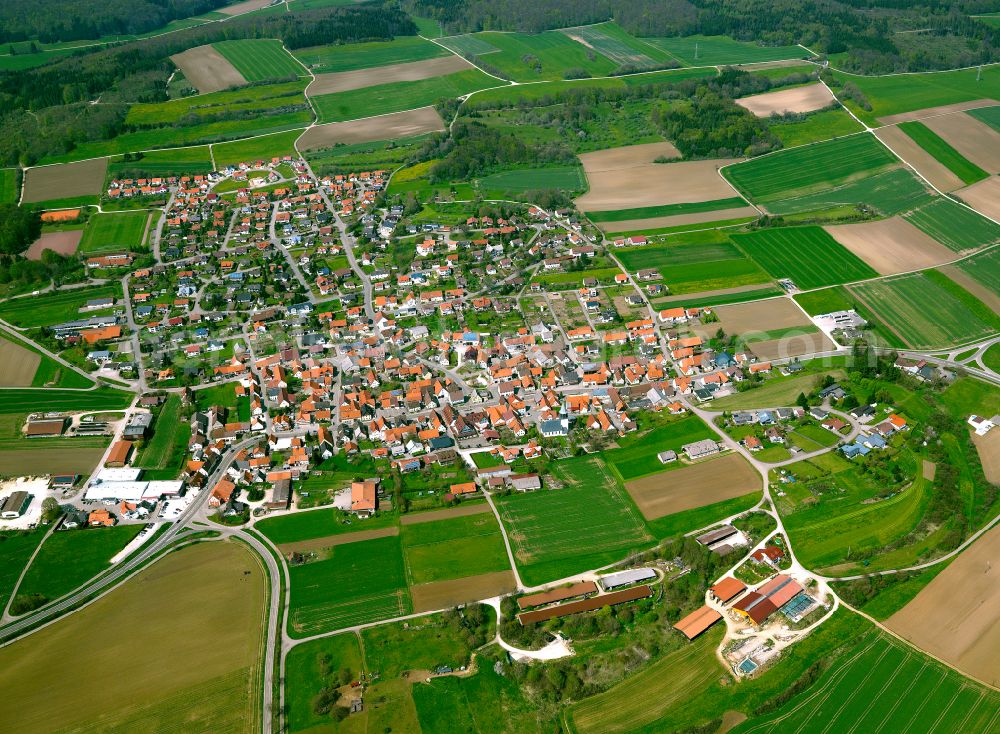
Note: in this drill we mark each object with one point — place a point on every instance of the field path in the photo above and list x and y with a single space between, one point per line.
5 616
506 542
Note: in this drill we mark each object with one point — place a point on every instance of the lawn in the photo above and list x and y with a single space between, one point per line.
8 185
15 550
223 395
398 96
310 667
546 527
529 57
263 148
809 256
163 455
359 582
700 50
113 232
811 168
91 549
944 153
54 307
206 605
260 60
453 548
567 179
352 56
919 313
954 226
666 210
636 455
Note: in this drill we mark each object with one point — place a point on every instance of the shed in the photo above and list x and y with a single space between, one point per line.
697 622
624 578
727 589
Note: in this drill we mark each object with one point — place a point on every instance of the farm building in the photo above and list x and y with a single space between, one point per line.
119 453
364 498
701 449
280 495
45 428
697 622
561 594
524 482
624 578
585 605
717 536
138 426
727 589
15 505
758 605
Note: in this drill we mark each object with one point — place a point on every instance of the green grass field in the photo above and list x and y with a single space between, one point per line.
545 527
612 41
163 455
810 169
359 582
315 524
807 255
392 649
470 43
262 148
636 455
51 576
666 210
8 185
174 162
312 665
827 300
984 268
700 50
15 550
954 226
695 264
352 56
890 192
944 153
816 127
454 548
55 307
113 232
50 373
247 99
397 96
260 60
989 115
776 391
26 401
919 313
564 178
527 57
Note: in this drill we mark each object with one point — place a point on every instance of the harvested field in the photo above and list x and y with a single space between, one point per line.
207 69
792 345
976 288
988 447
384 127
409 72
446 594
975 140
984 197
705 483
759 316
244 7
797 99
891 245
634 225
42 460
956 617
463 510
613 175
928 166
65 180
329 541
19 364
936 111
65 243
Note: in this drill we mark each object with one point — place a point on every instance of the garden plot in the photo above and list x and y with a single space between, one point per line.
808 98
65 180
975 140
927 165
956 617
627 178
385 127
65 243
697 485
984 197
207 69
409 72
936 111
891 245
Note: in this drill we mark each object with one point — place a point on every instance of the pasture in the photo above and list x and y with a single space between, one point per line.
206 604
65 181
398 96
208 70
954 226
413 71
545 527
881 684
455 548
485 702
944 153
890 192
919 313
54 307
341 590
818 126
522 180
351 56
807 255
890 245
693 486
625 51
700 50
8 185
259 60
809 169
114 232
262 148
528 57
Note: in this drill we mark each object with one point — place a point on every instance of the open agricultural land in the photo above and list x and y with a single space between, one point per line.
65 185
348 57
260 60
208 70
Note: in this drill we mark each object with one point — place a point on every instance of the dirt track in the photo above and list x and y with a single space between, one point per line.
956 617
928 166
697 485
207 69
976 140
442 594
891 245
719 215
65 243
934 111
384 127
65 180
984 197
412 71
797 99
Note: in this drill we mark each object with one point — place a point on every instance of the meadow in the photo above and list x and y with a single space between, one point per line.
816 127
260 59
263 148
890 192
359 582
312 665
812 168
113 232
384 98
776 391
300 526
50 576
15 550
353 56
807 255
54 307
954 226
698 50
453 548
527 57
636 455
545 527
172 162
163 455
665 210
205 603
8 185
249 99
486 702
921 314
610 40
934 144
519 181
